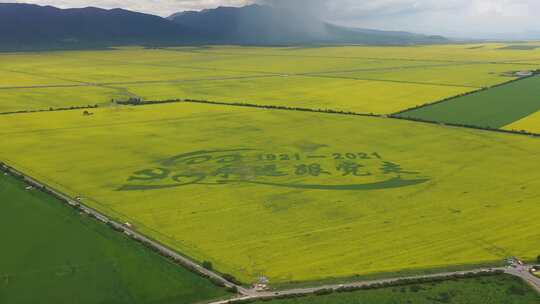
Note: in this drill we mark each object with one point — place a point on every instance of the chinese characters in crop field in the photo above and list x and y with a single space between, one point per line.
328 170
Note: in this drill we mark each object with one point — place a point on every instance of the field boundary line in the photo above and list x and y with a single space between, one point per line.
52 110
139 102
136 82
428 64
45 86
466 126
394 81
391 68
325 111
198 51
161 249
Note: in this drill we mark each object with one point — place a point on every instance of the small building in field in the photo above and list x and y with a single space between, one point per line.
262 284
524 73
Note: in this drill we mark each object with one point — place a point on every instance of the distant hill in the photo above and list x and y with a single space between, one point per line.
256 24
28 27
252 24
25 26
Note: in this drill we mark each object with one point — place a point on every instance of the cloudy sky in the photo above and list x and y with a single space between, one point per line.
461 18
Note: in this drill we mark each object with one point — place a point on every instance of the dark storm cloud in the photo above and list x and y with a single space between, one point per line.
451 17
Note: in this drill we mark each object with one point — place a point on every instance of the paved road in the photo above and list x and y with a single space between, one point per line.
519 271
523 273
310 290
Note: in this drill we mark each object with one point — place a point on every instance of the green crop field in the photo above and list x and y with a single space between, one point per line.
488 290
494 108
291 195
362 79
50 254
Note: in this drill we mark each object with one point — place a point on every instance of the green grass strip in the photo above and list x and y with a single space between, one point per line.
52 254
491 108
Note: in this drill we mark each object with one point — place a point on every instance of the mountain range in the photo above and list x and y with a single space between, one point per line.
27 26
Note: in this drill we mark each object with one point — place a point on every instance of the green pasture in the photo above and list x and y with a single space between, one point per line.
493 108
51 254
291 195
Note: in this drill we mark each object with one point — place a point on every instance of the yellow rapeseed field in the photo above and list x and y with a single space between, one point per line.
530 123
380 80
291 195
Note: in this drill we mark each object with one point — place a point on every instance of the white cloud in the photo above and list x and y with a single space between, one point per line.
158 7
447 17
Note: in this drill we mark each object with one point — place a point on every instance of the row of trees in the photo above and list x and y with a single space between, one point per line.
520 132
52 109
138 102
330 111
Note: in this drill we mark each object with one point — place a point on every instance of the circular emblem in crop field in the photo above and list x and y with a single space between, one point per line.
328 170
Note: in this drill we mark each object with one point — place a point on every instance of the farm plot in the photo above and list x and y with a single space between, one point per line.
293 196
50 254
132 69
380 80
475 76
262 61
494 108
471 53
305 92
14 79
57 97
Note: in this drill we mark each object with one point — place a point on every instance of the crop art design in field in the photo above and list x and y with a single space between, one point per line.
329 170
